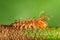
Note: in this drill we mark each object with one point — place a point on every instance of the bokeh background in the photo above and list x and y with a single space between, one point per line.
11 10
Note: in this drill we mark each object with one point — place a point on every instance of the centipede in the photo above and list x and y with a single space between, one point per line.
31 23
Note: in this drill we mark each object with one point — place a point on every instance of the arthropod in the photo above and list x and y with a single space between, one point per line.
33 23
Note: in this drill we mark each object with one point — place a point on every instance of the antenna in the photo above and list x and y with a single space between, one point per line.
42 14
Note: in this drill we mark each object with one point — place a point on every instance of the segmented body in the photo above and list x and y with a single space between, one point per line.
29 24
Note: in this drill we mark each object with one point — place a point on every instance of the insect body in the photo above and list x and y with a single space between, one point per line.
29 24
36 24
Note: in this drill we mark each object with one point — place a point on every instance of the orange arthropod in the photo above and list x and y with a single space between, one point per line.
35 23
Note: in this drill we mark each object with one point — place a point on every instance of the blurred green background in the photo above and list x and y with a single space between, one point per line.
11 10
